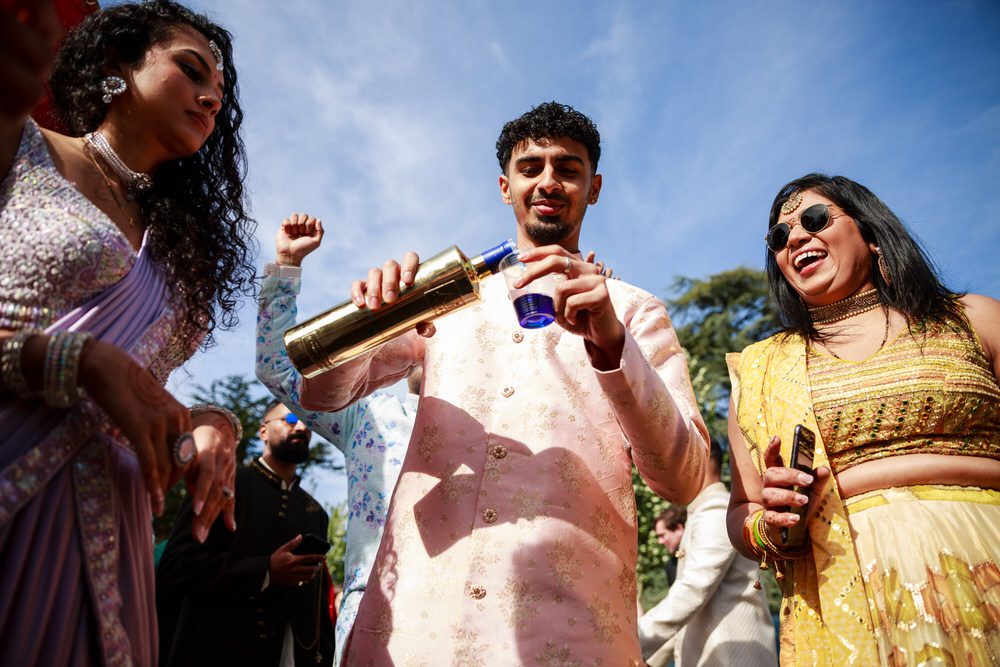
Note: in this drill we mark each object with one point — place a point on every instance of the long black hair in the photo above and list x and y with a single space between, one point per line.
916 290
196 214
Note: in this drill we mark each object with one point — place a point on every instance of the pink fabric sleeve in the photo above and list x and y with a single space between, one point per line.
654 403
341 386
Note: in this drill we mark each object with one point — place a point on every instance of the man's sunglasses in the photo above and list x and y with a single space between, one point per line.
814 219
291 419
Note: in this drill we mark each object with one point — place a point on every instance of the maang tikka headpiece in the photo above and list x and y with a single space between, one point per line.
791 203
217 52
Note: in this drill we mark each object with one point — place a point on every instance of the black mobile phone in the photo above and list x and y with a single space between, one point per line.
311 544
803 449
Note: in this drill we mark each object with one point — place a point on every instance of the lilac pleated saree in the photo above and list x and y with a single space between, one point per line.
76 574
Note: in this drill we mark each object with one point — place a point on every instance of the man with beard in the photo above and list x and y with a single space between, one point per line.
248 597
511 537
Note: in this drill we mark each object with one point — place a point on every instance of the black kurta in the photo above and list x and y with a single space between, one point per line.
211 608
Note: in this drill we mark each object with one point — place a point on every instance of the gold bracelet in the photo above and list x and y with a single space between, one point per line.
234 421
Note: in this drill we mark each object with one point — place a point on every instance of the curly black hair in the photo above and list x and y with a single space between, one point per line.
550 120
196 212
916 290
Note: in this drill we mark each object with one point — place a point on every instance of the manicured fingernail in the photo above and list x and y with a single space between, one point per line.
200 533
802 500
199 505
805 479
408 276
359 302
372 302
390 296
795 518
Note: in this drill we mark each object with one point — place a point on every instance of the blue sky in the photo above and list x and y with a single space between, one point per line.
381 118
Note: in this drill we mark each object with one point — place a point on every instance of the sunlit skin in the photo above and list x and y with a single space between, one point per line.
549 183
844 270
167 113
170 106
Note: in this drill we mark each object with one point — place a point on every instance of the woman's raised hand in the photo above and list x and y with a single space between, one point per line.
298 235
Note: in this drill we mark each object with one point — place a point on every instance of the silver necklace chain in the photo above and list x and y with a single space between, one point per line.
133 180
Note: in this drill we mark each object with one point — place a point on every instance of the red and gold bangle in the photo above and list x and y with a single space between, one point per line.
748 539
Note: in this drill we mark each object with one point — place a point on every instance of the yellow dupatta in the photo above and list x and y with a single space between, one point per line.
825 616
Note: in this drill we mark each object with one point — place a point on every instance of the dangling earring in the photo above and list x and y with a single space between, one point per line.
111 86
883 266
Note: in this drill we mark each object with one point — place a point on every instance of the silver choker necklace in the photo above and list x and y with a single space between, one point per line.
135 181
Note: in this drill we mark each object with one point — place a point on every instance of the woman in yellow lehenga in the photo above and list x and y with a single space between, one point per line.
897 378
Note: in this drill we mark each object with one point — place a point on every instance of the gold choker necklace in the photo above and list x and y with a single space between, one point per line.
849 307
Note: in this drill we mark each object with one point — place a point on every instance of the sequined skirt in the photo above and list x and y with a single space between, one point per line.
929 557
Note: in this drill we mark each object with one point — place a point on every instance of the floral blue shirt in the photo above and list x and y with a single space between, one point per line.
372 434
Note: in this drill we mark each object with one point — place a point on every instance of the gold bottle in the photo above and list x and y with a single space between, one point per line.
444 283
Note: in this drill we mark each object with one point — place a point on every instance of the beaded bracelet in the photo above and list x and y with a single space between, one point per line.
234 421
11 368
60 375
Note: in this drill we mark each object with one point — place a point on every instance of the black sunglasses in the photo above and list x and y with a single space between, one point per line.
814 219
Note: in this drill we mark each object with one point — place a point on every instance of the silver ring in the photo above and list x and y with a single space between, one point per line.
184 449
569 265
227 493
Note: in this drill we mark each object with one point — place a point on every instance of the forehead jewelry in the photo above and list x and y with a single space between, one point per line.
111 86
133 180
791 203
217 52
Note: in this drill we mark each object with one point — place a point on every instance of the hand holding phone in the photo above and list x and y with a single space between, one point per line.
803 449
311 544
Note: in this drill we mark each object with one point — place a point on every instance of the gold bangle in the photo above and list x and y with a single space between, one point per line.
776 552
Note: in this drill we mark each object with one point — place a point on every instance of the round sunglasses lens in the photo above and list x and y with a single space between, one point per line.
815 218
777 237
292 418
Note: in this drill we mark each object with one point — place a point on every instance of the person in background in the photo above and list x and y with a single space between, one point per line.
372 434
713 614
896 377
123 244
252 597
669 528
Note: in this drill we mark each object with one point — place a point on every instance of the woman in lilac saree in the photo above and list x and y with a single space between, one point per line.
118 251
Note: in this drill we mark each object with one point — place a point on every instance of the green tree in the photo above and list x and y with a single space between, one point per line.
246 398
336 534
722 313
650 572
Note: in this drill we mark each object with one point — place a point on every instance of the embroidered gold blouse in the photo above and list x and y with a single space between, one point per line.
921 394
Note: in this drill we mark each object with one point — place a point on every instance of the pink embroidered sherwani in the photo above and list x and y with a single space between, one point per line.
511 537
